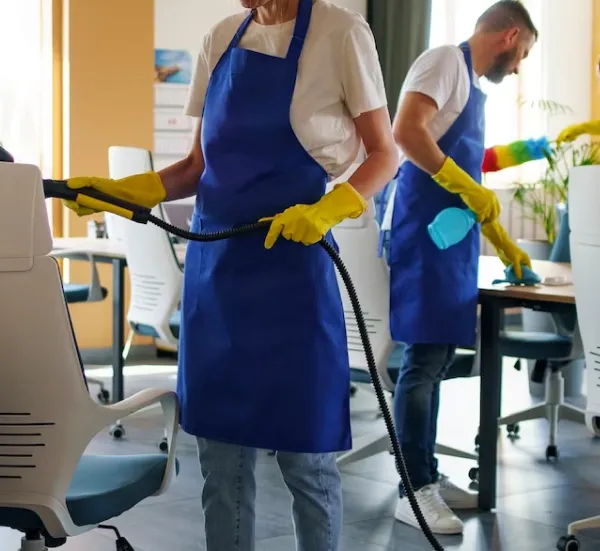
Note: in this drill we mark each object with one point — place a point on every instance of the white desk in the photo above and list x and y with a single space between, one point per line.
108 251
493 299
70 247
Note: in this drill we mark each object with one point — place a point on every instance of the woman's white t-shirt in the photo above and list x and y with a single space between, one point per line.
339 78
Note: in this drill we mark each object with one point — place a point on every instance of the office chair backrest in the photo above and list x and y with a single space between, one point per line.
155 275
561 250
124 161
47 417
358 241
584 205
566 322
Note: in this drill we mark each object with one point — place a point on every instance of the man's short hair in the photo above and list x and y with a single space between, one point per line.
506 14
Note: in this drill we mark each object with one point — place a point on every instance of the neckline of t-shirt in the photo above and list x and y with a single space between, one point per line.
275 27
278 26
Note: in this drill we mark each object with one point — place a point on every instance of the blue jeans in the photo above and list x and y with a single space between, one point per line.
229 494
416 406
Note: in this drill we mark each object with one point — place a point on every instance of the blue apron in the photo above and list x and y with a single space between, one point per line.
263 358
433 292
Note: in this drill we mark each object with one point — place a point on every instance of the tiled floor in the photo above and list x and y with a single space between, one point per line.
536 499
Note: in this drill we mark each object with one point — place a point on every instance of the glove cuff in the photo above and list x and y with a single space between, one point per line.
453 178
353 203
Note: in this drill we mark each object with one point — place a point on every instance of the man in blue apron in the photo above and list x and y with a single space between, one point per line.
433 308
286 94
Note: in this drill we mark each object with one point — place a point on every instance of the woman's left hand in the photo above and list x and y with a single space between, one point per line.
308 224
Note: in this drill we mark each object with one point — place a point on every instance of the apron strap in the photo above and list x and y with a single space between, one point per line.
240 32
466 49
300 30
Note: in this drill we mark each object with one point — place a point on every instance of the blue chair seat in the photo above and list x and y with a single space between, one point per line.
534 345
79 292
103 487
174 325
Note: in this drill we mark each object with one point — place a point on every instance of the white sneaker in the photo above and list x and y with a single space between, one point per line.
438 515
455 497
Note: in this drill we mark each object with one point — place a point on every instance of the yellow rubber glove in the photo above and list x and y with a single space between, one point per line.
145 190
572 132
505 247
482 201
308 224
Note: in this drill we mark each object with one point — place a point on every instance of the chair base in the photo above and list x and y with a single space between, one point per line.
584 524
369 446
117 431
553 409
103 394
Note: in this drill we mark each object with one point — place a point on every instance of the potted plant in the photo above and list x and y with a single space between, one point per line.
544 199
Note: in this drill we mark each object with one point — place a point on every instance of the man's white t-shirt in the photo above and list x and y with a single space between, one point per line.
442 74
339 78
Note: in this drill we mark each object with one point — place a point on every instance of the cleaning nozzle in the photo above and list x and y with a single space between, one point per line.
94 199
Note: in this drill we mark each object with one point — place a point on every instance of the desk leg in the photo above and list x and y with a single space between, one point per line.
489 402
118 328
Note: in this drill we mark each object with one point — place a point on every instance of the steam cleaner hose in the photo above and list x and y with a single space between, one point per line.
60 190
362 327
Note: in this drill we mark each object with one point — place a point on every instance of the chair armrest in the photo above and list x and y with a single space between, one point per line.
170 406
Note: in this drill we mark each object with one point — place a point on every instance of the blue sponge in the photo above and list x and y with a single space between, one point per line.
529 277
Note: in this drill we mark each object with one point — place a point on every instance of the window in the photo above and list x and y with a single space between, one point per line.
512 111
26 83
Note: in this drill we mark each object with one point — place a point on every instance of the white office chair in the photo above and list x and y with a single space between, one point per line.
154 271
552 351
584 205
358 241
156 281
49 488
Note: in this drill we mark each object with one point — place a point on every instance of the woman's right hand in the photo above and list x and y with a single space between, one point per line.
145 190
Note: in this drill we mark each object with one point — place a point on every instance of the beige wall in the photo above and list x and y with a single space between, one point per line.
108 71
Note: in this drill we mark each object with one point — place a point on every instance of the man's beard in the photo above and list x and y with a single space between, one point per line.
500 67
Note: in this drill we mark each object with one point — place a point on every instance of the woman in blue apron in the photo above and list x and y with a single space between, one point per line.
434 293
263 360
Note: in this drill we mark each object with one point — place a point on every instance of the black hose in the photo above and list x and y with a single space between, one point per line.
362 327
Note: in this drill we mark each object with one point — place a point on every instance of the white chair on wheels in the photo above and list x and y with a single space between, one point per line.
154 270
552 352
358 241
584 205
50 489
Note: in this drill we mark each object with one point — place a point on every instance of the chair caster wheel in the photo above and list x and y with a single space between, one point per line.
163 445
117 431
568 543
477 441
474 474
353 390
104 396
552 453
272 453
513 429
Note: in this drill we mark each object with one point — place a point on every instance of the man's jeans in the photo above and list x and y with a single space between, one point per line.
229 494
416 405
